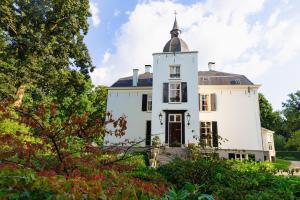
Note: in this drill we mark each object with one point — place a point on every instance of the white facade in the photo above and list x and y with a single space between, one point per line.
189 74
237 114
127 101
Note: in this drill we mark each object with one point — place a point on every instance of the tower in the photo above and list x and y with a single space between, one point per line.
175 112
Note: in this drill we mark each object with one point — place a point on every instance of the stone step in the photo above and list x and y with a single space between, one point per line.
167 154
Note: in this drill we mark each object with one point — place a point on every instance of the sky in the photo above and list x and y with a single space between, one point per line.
257 38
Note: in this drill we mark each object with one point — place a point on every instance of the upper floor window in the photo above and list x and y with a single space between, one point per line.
175 92
149 102
270 145
205 102
175 71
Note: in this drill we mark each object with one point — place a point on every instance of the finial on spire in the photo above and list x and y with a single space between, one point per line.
175 13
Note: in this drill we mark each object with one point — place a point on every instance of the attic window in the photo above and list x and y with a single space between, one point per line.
235 82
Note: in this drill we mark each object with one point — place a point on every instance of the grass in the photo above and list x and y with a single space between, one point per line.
282 164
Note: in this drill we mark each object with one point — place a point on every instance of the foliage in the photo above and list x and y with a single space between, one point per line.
279 142
291 112
41 43
288 155
62 145
293 142
230 179
189 191
16 183
267 116
282 164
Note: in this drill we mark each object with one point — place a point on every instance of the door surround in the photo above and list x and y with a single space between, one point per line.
167 112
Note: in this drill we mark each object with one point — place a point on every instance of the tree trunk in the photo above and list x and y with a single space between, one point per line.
20 94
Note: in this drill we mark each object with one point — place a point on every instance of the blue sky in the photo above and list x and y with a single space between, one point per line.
257 38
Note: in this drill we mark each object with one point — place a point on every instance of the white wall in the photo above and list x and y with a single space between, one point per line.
129 102
189 73
237 115
267 137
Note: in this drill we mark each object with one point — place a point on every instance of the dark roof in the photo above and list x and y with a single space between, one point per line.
176 44
204 78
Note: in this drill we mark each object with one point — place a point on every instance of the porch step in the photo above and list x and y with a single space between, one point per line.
167 154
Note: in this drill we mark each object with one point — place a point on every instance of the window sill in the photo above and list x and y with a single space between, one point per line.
174 79
174 102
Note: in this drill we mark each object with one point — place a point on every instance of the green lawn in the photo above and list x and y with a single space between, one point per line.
282 164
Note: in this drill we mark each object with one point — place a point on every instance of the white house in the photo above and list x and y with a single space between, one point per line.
180 104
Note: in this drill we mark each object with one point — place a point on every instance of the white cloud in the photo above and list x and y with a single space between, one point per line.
117 13
240 36
94 9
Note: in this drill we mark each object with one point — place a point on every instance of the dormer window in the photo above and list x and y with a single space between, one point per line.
174 71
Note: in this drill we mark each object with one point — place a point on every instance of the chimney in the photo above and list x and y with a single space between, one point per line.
147 68
135 77
211 66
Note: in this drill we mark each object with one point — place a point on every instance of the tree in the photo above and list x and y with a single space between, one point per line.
293 142
291 112
267 116
45 141
41 41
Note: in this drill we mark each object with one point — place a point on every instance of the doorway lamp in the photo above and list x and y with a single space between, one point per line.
188 117
160 118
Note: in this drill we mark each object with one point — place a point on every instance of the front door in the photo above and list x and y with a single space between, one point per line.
175 129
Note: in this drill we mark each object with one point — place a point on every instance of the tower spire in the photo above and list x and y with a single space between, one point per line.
175 30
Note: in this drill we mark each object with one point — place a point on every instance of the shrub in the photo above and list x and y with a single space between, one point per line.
17 183
230 179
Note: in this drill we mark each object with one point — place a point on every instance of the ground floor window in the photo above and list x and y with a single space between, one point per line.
206 134
239 156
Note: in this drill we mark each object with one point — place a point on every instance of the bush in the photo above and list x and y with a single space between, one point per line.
230 179
16 183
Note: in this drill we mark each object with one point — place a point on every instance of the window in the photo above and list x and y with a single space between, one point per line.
235 82
175 92
149 102
175 118
270 145
175 71
231 156
206 134
204 102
